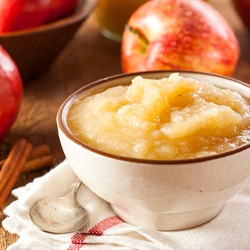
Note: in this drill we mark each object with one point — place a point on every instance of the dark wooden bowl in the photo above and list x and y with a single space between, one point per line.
34 50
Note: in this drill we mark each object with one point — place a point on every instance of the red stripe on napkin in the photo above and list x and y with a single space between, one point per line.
104 225
79 238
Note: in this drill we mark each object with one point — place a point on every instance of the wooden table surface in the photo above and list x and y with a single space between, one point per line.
88 57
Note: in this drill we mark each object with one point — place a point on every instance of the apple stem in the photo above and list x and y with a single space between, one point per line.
139 34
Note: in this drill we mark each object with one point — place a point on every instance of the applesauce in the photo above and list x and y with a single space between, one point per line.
170 118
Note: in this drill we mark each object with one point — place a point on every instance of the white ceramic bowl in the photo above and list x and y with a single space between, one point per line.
162 195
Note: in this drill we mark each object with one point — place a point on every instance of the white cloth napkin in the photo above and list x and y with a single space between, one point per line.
230 230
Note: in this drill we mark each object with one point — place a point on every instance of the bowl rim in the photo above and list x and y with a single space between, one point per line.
62 126
83 10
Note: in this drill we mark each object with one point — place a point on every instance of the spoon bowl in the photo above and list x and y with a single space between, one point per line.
59 214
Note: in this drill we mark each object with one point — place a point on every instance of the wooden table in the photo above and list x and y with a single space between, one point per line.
88 57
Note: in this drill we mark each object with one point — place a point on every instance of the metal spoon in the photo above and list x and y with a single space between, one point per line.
60 214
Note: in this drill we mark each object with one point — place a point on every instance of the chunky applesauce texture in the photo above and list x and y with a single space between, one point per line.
170 118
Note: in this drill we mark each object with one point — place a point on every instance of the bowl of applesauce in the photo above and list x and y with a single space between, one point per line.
166 149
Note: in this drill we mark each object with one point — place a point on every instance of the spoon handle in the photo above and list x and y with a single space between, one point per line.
75 187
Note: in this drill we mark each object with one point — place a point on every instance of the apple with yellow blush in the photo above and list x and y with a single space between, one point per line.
179 35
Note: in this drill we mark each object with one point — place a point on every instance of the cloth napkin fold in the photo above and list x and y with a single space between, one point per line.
230 230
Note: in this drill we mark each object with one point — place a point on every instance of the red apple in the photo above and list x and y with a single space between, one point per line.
11 91
242 7
179 35
26 14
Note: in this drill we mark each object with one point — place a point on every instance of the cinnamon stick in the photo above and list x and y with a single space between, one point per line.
39 157
1 163
39 151
12 167
38 163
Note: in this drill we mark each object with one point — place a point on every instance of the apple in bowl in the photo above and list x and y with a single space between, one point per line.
179 35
